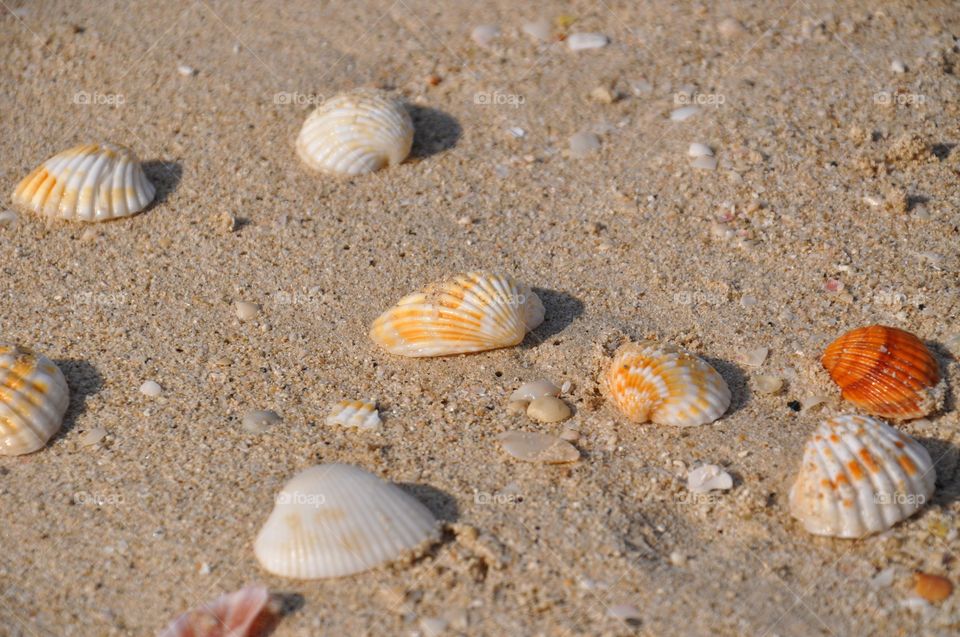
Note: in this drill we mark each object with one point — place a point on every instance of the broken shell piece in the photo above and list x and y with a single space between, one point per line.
708 477
584 41
355 133
860 476
468 313
886 372
548 409
699 150
537 447
768 384
933 588
33 400
812 402
259 421
92 182
535 389
753 357
664 384
625 612
249 612
335 519
355 413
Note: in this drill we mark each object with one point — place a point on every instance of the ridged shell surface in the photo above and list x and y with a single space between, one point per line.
249 612
664 384
92 182
33 400
886 372
471 312
355 133
355 413
334 519
860 476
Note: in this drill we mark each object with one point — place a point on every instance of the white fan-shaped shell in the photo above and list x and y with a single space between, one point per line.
93 182
665 384
355 133
860 476
355 413
471 312
33 399
336 519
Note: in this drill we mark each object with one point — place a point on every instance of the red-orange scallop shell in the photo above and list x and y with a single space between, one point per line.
885 371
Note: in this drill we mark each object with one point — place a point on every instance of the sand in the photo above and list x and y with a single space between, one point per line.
833 205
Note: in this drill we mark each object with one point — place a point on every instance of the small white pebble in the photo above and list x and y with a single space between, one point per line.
624 612
883 579
259 421
186 71
204 569
565 387
548 409
704 163
516 131
583 143
151 388
730 28
811 402
678 559
753 357
684 112
766 384
485 34
897 66
539 30
584 41
699 150
872 200
708 477
246 311
92 437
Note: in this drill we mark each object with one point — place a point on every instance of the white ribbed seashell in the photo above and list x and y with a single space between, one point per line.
355 133
336 519
92 182
860 476
665 384
355 413
33 399
471 312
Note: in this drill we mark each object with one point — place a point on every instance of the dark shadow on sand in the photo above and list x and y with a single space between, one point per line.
434 131
441 504
560 310
84 381
165 175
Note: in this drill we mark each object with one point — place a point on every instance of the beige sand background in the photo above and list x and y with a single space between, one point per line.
118 538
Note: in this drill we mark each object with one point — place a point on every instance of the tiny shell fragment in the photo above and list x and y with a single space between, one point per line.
259 421
583 143
246 311
684 112
151 388
355 413
535 389
708 477
537 447
766 384
753 357
548 409
933 588
584 41
249 612
704 162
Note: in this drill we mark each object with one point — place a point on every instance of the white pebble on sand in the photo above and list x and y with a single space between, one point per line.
684 112
516 131
699 150
246 311
704 163
92 437
766 384
754 357
708 477
485 34
584 41
7 218
548 409
186 71
897 66
151 388
539 30
730 28
583 143
624 612
678 559
259 421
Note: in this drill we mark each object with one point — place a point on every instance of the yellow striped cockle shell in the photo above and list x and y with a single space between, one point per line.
470 312
860 476
664 384
91 182
33 400
355 413
355 133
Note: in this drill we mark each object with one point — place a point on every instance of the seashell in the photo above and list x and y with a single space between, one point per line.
535 389
249 612
355 413
537 447
260 421
356 133
886 372
471 312
664 384
92 182
933 588
859 476
336 519
33 400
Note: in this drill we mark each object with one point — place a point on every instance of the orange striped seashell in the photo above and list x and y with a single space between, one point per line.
886 372
471 312
664 384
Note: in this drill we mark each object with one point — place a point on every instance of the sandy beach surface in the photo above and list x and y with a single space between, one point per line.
834 205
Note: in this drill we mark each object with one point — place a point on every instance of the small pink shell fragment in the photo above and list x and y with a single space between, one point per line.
248 612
